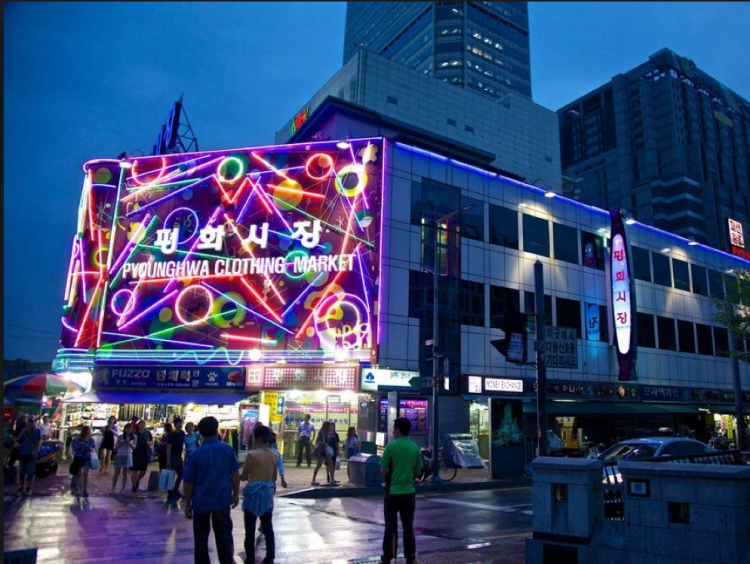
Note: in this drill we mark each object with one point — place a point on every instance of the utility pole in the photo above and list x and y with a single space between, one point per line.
541 369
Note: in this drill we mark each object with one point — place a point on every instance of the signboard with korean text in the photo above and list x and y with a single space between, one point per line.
593 322
415 410
622 298
661 393
229 257
326 377
169 378
561 347
374 379
736 235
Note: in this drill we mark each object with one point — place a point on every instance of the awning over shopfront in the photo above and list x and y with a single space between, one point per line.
726 409
176 398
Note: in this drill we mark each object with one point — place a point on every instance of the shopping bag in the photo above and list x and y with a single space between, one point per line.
94 460
338 464
153 481
166 480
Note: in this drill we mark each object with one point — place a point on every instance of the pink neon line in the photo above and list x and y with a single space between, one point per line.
229 336
91 207
134 174
174 175
269 165
383 189
131 242
71 264
264 197
148 309
83 267
167 197
261 301
184 278
68 327
88 311
224 194
242 243
195 243
362 276
241 215
99 253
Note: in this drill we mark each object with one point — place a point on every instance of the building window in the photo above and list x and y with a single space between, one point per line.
667 337
662 272
472 221
528 306
593 250
502 302
716 284
681 274
535 235
566 243
503 227
705 339
450 121
641 264
646 335
721 338
686 334
700 282
469 128
569 314
472 303
392 100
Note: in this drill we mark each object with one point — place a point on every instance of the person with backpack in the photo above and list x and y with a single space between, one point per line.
401 463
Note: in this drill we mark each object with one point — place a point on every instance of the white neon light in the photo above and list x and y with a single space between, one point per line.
622 310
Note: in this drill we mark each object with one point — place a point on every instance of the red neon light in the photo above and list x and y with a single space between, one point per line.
91 206
88 311
237 193
134 173
319 156
261 301
229 336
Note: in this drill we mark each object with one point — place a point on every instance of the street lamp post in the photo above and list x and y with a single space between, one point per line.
435 327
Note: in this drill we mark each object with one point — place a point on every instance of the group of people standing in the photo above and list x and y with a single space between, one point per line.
326 449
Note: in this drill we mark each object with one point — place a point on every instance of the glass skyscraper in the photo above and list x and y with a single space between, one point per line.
483 46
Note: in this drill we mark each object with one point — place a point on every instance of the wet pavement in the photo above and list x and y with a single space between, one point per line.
487 526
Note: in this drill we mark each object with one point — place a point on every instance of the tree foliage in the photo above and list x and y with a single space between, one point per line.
734 311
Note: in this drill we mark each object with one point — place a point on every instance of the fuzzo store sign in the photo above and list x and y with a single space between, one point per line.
622 298
171 378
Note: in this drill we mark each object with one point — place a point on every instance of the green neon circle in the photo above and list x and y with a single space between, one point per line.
222 165
287 260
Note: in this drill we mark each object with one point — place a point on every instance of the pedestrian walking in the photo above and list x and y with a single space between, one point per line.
123 460
142 453
83 447
260 471
212 488
333 441
109 435
45 427
323 453
306 433
29 441
400 464
191 439
175 446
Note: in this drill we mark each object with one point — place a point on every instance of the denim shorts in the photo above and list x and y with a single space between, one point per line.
27 465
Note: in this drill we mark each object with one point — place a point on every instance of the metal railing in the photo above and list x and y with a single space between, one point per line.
722 457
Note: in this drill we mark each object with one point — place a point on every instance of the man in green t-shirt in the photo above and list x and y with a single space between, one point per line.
401 463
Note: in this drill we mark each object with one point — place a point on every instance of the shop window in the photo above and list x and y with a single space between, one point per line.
502 301
593 250
535 235
721 338
641 264
472 221
686 335
715 284
681 274
662 271
700 282
503 227
472 303
667 337
528 306
705 339
646 335
569 314
566 243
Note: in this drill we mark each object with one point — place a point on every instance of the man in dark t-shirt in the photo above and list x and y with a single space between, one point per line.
175 446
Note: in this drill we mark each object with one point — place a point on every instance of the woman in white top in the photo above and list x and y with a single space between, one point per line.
123 459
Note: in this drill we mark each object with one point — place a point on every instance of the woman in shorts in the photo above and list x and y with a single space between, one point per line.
123 460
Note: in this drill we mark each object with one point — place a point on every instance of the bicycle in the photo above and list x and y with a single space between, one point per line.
447 470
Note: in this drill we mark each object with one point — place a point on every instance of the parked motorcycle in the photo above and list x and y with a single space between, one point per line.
46 462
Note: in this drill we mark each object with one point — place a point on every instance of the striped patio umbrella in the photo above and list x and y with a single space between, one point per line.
40 384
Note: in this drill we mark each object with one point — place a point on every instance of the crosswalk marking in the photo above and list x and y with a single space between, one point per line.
488 507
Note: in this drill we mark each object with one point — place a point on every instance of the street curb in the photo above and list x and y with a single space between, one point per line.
449 487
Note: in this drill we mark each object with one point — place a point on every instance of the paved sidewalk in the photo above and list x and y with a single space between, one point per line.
298 479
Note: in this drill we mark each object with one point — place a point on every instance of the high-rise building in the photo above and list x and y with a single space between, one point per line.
666 142
483 46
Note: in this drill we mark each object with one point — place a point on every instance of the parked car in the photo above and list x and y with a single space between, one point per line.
647 447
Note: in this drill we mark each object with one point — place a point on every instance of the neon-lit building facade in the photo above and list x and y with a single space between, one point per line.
227 258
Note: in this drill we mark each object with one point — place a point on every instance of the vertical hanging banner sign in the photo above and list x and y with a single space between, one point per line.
622 298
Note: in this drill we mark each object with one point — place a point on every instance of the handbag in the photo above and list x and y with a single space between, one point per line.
166 480
94 460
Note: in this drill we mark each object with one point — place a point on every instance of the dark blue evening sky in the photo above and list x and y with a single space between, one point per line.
85 80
